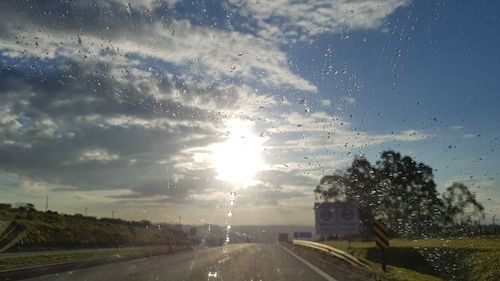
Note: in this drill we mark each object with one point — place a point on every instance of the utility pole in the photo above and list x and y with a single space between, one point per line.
46 203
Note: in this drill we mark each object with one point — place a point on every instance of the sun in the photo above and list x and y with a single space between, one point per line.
239 158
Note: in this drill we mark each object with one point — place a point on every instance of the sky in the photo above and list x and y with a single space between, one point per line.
161 109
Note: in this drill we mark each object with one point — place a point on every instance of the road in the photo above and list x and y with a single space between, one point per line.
239 262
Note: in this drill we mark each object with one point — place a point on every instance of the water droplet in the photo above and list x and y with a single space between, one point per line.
230 213
129 9
240 54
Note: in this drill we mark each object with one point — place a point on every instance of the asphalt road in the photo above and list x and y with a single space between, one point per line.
251 262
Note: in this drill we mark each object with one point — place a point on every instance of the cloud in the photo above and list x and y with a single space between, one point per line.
122 103
118 35
97 154
320 130
326 103
350 100
291 21
79 132
472 182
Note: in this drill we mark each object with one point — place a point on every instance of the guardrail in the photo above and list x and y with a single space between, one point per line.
332 252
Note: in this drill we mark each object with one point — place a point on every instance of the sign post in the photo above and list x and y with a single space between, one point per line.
381 239
336 218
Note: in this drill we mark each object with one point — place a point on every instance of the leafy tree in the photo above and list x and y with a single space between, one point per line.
410 198
358 184
458 200
398 189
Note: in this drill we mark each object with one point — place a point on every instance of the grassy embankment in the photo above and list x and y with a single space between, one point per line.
30 230
474 258
56 231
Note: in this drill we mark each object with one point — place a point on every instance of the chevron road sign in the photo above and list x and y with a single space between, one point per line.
381 235
381 239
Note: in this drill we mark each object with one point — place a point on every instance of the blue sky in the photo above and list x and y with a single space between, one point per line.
123 108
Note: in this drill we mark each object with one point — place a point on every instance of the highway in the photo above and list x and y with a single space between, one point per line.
251 262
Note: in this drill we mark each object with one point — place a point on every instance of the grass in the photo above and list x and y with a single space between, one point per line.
49 230
62 234
68 256
474 258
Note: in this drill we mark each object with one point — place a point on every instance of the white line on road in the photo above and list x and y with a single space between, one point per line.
317 270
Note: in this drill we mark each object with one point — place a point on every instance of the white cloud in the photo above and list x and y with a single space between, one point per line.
350 100
287 20
326 103
98 154
215 54
484 183
319 130
149 4
32 185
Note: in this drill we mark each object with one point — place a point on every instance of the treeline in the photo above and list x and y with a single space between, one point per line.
403 193
50 230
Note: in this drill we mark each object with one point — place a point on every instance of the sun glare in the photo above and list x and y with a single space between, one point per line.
240 156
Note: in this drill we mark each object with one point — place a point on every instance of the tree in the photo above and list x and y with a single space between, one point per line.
458 201
398 189
410 198
358 184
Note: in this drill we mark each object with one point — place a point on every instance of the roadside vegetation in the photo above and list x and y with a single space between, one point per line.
26 229
402 192
434 235
472 258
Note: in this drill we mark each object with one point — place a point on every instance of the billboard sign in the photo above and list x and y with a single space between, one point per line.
336 218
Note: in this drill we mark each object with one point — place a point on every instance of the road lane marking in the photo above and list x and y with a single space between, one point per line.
317 270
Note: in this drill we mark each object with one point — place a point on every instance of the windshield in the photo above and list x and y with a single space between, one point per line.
235 140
